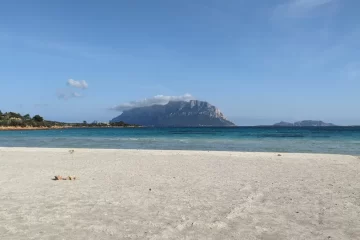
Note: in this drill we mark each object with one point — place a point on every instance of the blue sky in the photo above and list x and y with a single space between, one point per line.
258 61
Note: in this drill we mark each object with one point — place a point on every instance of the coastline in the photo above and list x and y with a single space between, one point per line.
57 127
30 128
155 194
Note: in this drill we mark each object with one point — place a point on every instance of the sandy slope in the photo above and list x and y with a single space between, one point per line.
194 195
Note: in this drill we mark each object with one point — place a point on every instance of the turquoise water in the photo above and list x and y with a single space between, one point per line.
338 140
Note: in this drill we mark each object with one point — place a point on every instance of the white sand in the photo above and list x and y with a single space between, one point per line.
194 195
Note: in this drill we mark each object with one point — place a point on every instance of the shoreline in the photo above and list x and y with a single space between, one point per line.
171 194
169 151
30 128
55 127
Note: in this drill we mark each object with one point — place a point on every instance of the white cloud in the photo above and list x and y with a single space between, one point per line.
297 8
75 94
156 100
67 94
82 84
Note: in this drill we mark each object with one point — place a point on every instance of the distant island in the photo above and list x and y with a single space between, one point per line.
14 121
175 114
305 123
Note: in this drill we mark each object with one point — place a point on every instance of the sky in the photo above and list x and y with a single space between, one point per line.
259 62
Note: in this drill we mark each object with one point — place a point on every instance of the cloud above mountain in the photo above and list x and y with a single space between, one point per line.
156 100
66 94
82 84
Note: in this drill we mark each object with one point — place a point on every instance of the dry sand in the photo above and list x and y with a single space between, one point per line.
131 194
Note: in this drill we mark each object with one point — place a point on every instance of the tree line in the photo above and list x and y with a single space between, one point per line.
12 119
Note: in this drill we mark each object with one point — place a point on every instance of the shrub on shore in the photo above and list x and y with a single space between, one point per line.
11 119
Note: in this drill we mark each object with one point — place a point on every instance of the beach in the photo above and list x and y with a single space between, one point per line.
156 194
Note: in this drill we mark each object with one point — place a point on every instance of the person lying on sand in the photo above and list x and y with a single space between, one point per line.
66 178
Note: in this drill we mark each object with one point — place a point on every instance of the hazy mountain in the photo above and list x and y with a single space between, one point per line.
175 113
284 124
305 123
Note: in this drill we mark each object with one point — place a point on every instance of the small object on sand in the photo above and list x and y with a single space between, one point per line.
149 189
58 178
71 151
279 155
66 178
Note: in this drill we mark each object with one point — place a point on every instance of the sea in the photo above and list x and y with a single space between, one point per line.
334 140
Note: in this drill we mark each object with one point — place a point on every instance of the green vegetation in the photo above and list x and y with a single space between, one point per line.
96 124
38 118
122 124
27 117
12 119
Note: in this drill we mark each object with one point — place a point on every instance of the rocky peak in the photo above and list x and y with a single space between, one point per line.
176 113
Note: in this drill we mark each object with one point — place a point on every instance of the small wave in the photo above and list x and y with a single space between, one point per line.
280 135
192 133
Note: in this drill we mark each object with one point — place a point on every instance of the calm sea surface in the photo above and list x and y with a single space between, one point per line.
339 140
